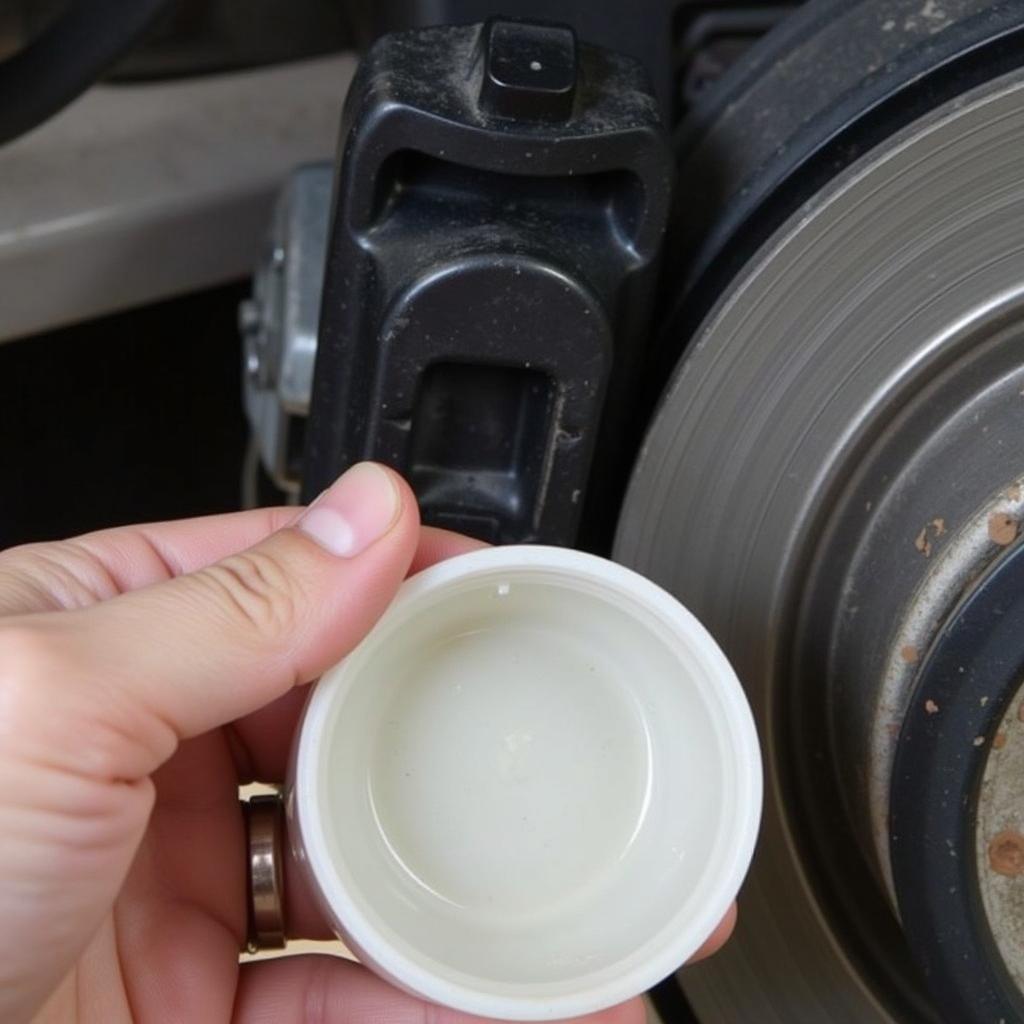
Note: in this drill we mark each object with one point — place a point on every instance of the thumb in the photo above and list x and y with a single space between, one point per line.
147 669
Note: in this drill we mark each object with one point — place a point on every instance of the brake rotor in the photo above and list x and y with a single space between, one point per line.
824 480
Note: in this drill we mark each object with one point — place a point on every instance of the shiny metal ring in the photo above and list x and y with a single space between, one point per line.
264 821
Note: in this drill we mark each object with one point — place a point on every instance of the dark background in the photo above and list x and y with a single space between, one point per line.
129 418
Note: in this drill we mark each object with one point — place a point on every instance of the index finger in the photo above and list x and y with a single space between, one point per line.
75 573
82 571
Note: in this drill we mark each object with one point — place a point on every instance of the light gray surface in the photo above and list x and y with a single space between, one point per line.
830 329
134 193
281 320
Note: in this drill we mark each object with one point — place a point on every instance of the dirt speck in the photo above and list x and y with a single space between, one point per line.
979 741
909 654
931 707
939 526
999 740
923 544
1006 854
1002 528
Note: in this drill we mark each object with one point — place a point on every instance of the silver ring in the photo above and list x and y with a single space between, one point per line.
264 827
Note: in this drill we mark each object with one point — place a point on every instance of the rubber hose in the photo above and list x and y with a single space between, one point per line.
66 58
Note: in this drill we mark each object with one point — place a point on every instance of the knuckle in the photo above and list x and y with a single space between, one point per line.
258 589
54 576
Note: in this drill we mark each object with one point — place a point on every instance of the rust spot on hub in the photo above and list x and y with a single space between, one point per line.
1002 528
1006 854
922 543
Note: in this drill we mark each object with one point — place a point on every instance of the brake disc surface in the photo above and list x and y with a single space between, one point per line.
846 415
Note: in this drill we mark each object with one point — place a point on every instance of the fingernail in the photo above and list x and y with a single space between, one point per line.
358 509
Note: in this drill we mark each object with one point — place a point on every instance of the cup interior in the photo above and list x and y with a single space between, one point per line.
527 785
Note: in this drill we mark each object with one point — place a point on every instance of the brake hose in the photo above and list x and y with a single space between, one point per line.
66 58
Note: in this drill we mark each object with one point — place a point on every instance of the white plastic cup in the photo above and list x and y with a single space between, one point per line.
532 791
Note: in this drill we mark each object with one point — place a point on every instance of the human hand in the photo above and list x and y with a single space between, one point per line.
145 673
